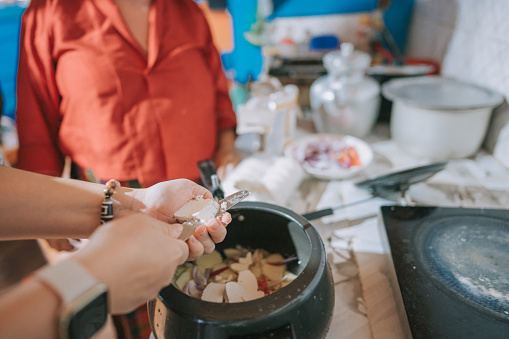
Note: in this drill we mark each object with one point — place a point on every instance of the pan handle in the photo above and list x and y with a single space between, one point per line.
210 179
328 211
318 214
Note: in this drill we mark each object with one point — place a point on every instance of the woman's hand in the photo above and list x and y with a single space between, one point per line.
135 257
162 200
207 236
226 156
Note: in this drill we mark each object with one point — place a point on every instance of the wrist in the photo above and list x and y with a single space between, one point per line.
125 202
82 299
226 139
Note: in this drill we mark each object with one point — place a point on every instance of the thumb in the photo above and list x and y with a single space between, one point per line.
173 230
179 250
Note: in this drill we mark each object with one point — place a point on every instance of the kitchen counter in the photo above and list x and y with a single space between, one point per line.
365 305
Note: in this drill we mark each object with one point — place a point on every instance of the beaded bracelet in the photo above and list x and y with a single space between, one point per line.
107 205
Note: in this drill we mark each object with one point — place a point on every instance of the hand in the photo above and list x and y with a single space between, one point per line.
226 156
61 244
225 160
206 236
162 200
135 257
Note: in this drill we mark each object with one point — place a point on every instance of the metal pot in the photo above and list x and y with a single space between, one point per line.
302 309
439 118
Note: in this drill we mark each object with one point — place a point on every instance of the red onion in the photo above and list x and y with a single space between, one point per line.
283 262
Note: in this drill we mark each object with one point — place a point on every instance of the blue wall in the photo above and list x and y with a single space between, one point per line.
10 20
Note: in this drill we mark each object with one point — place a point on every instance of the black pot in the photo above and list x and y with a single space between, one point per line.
302 309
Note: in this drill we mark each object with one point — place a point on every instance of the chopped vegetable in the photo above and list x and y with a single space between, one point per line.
242 276
273 272
214 292
234 292
248 281
209 260
282 262
328 154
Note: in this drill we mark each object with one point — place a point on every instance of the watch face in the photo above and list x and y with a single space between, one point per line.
88 320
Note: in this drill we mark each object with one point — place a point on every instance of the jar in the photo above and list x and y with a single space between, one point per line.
345 100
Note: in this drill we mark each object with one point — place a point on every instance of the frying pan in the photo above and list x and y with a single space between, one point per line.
385 185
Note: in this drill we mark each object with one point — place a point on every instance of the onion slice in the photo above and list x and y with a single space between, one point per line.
283 262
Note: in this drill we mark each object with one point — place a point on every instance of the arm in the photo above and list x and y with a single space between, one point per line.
29 303
38 101
39 206
136 243
226 120
226 154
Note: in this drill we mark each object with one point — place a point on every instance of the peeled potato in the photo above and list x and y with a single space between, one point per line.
194 213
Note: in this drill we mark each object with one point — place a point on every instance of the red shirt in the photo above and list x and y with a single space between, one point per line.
87 90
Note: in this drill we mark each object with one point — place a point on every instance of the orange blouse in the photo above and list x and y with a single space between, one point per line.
87 90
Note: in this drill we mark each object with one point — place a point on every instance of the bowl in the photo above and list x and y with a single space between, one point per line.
302 309
330 156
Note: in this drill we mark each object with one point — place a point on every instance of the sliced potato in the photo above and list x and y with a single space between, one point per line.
232 253
252 295
184 278
234 292
247 260
238 267
257 271
209 260
248 280
273 272
214 292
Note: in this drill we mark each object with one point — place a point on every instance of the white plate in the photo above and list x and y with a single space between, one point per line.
330 170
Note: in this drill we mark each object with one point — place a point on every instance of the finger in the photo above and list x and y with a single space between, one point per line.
221 172
200 190
180 250
195 248
202 235
226 218
60 244
216 230
225 170
174 230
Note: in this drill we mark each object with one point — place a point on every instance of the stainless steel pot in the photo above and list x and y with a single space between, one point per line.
438 118
303 309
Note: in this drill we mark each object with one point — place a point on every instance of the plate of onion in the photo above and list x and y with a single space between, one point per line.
330 156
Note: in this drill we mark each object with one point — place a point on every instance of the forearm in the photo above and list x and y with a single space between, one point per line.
39 206
29 310
226 139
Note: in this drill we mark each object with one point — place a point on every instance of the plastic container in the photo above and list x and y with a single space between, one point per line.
345 101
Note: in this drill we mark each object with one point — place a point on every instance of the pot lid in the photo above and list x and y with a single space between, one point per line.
404 70
440 93
346 59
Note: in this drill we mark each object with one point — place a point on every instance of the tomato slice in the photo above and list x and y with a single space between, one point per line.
262 285
354 156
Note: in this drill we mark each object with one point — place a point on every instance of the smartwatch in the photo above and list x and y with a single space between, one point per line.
84 308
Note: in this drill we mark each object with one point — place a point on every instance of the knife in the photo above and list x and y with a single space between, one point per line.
231 200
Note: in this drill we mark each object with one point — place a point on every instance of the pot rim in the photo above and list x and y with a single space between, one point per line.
269 306
392 91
